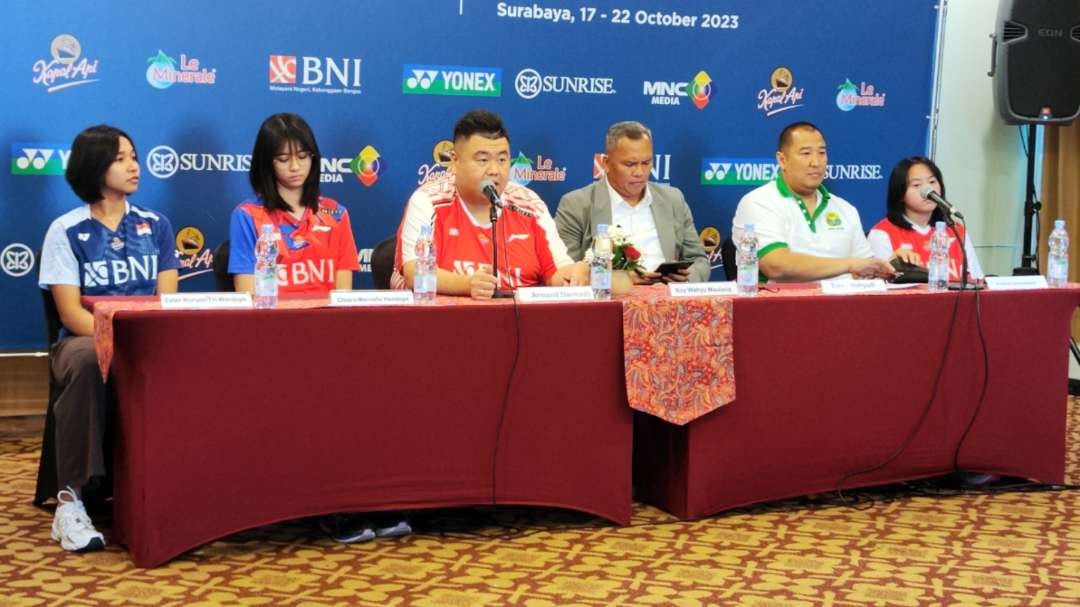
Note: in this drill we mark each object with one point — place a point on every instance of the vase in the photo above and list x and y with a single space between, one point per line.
621 283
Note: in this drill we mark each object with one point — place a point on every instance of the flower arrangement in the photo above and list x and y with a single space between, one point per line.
625 255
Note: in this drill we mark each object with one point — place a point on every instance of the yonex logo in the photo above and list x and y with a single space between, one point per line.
16 259
422 79
458 80
737 171
282 69
38 159
163 162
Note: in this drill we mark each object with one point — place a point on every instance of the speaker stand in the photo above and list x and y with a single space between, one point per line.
1031 207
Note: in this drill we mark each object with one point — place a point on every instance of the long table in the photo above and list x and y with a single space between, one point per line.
234 419
827 386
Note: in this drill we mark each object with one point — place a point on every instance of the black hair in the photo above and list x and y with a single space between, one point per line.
92 153
276 131
785 135
480 122
898 184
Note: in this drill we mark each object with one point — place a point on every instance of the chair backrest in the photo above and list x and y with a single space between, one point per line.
222 278
727 255
382 262
52 315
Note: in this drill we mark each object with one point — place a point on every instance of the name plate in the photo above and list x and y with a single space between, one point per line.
1016 283
553 294
852 286
205 301
396 297
703 289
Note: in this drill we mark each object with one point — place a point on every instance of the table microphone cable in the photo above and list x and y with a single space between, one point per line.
509 380
985 384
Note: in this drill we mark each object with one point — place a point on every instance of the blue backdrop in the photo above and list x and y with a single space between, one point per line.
381 83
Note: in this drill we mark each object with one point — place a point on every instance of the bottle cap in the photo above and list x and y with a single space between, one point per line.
748 228
940 226
1059 224
267 228
602 229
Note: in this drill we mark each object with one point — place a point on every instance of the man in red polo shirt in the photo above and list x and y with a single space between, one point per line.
530 250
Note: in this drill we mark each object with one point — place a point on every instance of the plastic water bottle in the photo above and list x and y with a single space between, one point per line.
600 268
266 254
1057 261
938 270
746 262
424 279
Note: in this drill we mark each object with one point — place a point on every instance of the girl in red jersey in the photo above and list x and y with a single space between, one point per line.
317 249
909 222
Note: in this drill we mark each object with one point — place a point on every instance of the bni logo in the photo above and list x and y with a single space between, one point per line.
39 158
302 74
455 80
737 171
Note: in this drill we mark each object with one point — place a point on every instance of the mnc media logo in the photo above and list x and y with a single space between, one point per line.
39 158
738 171
463 81
699 90
367 165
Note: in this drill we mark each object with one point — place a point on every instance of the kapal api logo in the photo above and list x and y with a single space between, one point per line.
523 172
529 84
67 68
699 90
455 80
441 155
17 260
660 171
164 71
39 158
325 75
849 96
782 96
738 171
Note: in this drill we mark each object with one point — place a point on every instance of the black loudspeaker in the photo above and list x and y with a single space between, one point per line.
1035 61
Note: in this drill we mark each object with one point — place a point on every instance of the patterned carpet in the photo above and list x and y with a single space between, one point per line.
906 545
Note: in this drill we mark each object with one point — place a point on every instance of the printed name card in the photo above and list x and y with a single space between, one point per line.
396 297
553 294
852 286
703 289
205 301
1015 283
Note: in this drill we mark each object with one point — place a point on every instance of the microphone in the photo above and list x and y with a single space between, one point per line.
487 186
928 193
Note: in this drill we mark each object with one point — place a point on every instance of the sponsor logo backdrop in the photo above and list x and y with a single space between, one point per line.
382 82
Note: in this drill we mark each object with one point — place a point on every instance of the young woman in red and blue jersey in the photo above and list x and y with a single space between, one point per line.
107 246
317 252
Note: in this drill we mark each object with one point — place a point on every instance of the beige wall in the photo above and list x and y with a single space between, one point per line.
980 156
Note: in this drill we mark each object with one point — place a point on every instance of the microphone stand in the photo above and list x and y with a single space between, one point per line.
499 293
950 220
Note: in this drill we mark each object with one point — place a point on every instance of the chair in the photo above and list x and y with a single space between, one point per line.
727 256
382 262
222 279
46 479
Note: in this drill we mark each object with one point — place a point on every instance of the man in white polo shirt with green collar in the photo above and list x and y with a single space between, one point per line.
804 232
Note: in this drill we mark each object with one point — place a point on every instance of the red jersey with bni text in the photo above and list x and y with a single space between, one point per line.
912 240
311 250
461 246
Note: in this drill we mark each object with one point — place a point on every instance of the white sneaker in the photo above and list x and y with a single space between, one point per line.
71 525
